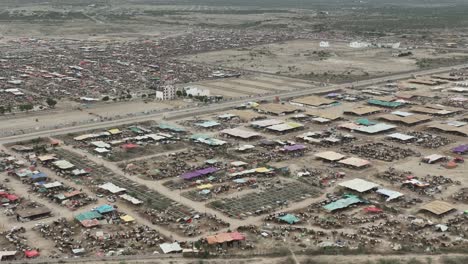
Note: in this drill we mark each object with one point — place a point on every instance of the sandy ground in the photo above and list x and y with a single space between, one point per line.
254 85
298 58
65 115
410 163
291 259
295 58
66 112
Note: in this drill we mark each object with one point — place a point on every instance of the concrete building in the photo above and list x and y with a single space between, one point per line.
324 44
358 45
196 91
166 92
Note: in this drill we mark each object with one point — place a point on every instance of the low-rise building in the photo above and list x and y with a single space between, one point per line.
196 91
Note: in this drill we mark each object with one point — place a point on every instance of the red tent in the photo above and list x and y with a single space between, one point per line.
451 165
83 63
373 209
90 223
12 197
31 253
129 146
237 236
9 196
54 142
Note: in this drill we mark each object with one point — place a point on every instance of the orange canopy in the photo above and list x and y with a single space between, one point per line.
225 237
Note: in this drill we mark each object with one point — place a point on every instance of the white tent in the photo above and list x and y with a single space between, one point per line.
131 199
359 185
390 194
111 188
170 248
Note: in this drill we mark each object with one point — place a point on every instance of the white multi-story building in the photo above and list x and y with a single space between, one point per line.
166 92
196 91
358 45
324 44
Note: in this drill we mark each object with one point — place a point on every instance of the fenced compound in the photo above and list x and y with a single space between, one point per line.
265 201
151 198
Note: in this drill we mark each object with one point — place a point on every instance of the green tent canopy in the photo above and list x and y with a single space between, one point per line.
289 218
365 122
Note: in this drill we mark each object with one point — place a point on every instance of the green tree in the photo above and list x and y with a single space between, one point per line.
51 102
2 110
105 98
179 93
25 107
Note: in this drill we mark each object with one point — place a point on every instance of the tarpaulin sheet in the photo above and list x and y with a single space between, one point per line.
198 173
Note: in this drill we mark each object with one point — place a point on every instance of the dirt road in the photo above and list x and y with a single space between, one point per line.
193 111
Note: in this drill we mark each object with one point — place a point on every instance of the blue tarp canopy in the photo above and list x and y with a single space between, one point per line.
342 203
104 209
207 124
39 175
88 216
289 218
171 128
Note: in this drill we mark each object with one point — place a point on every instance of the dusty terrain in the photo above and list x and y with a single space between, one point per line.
306 59
80 125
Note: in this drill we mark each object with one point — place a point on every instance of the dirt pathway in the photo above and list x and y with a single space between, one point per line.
198 206
59 211
175 195
154 155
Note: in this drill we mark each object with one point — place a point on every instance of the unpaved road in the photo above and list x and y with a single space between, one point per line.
301 259
193 111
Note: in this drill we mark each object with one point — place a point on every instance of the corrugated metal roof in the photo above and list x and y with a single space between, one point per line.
359 185
342 203
438 207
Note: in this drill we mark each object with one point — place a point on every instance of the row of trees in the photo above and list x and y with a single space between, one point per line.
183 93
21 107
180 93
121 98
25 107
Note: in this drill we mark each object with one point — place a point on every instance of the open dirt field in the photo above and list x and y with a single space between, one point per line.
304 58
302 152
66 115
253 85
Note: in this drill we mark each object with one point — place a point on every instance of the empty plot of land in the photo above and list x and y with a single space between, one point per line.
304 58
288 82
263 85
249 90
253 85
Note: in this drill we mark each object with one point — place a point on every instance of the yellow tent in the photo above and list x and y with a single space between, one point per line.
253 104
205 186
294 125
114 131
262 170
127 218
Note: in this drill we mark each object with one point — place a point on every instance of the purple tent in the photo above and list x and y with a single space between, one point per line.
294 147
462 149
198 173
332 95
